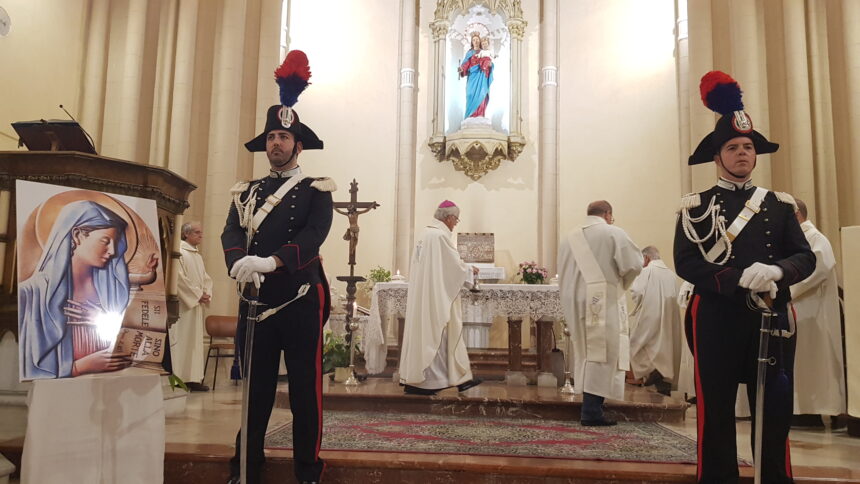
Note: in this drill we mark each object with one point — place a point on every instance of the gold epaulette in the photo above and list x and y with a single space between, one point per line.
239 187
690 200
324 184
786 198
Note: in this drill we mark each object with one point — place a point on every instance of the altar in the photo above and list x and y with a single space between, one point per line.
539 303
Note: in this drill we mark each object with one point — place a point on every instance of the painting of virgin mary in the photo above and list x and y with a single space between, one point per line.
76 296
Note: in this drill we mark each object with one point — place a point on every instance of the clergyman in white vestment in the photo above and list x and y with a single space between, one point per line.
433 355
597 264
819 381
655 328
194 288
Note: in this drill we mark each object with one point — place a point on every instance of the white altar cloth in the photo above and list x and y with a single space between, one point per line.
99 429
532 301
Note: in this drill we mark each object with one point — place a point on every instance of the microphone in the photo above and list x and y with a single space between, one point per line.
92 143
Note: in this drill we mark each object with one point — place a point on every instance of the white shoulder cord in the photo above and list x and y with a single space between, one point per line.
246 209
718 229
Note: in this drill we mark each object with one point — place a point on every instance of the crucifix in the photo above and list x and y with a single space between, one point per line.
352 209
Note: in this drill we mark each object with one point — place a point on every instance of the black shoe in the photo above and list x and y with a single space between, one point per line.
598 422
664 388
413 390
654 378
807 420
197 387
469 384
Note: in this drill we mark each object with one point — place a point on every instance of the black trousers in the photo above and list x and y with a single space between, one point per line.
297 331
724 338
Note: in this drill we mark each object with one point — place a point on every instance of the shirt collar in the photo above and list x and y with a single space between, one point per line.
186 246
286 173
807 225
440 225
730 185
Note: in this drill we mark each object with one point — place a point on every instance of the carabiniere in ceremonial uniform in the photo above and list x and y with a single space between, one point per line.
289 216
725 237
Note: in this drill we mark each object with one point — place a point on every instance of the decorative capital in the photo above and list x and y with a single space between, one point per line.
439 29
517 27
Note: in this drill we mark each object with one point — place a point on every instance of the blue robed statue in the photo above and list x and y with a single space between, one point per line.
477 67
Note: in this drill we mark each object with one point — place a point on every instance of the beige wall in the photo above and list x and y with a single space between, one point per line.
352 106
41 59
618 116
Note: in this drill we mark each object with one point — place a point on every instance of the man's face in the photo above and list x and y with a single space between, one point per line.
279 147
736 158
451 221
195 236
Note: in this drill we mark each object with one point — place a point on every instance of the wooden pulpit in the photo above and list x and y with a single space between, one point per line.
91 172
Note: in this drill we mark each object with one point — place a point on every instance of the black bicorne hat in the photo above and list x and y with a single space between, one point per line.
722 94
292 77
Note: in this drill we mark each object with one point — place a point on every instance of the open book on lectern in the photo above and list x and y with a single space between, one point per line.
53 135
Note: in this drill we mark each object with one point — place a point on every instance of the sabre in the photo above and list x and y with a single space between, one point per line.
762 305
253 301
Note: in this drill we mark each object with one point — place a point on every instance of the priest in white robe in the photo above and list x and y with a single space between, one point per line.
194 288
819 381
597 264
433 355
655 329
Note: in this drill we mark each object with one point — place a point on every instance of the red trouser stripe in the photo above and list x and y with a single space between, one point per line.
700 397
321 294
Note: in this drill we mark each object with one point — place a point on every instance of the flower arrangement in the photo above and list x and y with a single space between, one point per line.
335 351
532 273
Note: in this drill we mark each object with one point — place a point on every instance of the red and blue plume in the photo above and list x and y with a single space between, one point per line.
721 93
292 76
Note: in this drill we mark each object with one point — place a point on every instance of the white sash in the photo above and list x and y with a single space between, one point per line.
595 297
274 199
751 207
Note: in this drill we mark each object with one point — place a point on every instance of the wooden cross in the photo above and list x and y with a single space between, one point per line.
352 209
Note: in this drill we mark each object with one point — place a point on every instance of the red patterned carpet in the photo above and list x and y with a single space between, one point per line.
439 434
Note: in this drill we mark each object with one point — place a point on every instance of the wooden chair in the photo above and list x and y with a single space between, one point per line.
220 327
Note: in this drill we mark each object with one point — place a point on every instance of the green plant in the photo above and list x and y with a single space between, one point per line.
335 351
380 274
176 382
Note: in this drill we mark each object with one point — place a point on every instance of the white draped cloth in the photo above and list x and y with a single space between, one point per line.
655 328
819 381
187 334
434 353
620 261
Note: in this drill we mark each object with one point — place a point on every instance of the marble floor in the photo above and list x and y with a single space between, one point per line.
212 418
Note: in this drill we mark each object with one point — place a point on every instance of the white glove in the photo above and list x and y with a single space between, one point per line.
759 277
243 267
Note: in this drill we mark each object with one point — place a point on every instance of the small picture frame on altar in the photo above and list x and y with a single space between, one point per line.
476 247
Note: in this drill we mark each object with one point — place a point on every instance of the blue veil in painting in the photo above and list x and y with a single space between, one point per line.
45 341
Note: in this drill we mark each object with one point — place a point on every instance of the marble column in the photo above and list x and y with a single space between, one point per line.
95 64
164 66
181 112
746 27
548 134
800 135
682 79
406 138
124 83
825 207
225 160
850 21
701 60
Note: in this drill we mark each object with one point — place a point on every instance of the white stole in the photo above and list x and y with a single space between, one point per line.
595 305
